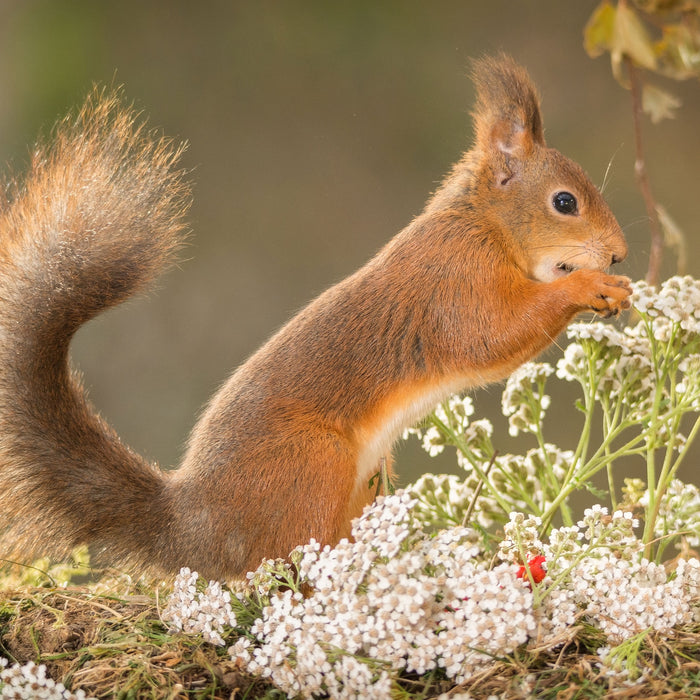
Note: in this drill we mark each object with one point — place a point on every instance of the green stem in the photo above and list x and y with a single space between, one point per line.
462 446
607 429
665 479
660 364
579 452
569 487
553 485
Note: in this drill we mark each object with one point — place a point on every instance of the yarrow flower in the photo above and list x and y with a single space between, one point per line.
395 594
395 599
523 401
679 512
31 682
624 597
677 300
194 610
452 572
521 540
370 611
616 363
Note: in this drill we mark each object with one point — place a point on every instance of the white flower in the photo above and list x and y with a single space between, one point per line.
426 601
679 512
522 401
30 681
207 612
433 602
433 441
521 540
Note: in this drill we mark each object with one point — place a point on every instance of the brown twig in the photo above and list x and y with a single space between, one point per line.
477 491
640 170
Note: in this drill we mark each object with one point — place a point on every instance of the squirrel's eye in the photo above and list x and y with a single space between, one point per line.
565 203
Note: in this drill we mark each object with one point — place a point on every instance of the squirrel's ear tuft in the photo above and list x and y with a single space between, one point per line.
507 114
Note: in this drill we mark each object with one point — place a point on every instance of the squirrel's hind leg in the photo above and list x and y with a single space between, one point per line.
269 504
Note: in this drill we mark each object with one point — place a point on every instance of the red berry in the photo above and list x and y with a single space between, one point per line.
538 569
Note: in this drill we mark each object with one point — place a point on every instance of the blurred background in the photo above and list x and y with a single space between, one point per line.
316 131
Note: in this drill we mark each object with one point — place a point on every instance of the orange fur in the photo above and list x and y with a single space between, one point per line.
481 281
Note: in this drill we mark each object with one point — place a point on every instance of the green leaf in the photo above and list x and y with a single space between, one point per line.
598 33
598 493
619 30
658 103
679 50
630 39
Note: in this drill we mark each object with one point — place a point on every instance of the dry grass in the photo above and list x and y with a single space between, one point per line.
109 640
113 646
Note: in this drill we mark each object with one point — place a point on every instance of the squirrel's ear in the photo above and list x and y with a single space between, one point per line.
507 116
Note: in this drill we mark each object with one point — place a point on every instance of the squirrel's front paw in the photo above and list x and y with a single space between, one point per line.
605 294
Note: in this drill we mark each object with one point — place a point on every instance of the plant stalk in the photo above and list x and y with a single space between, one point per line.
656 248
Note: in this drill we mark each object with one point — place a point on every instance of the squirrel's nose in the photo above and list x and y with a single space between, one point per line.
619 254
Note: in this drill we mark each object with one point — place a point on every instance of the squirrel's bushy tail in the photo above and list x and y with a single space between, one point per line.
97 217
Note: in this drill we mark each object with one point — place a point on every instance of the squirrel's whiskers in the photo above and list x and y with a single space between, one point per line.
512 245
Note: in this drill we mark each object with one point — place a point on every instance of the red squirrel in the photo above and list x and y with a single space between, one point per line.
514 243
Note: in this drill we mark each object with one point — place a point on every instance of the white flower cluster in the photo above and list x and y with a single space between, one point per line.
679 512
30 682
620 363
521 538
594 571
207 612
623 597
534 473
616 531
444 499
605 580
454 414
523 402
616 363
395 599
689 386
346 621
514 483
677 300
